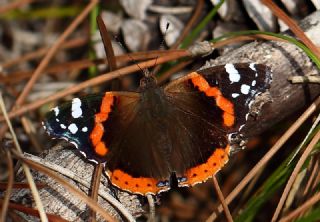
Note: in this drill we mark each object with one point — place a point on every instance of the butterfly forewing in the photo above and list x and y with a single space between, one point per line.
239 83
73 121
81 121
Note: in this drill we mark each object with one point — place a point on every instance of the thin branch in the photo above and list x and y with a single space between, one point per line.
312 177
21 185
107 44
30 211
313 200
6 198
222 200
152 210
95 187
166 75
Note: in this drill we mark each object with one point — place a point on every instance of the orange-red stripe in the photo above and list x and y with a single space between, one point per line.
206 170
101 149
98 130
96 134
223 103
141 185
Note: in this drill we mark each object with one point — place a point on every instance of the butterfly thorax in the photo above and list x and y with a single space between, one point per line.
154 103
153 100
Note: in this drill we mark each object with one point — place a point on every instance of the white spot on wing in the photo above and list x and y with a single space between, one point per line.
73 128
235 95
57 120
234 75
251 66
85 129
56 110
254 82
63 126
245 89
76 110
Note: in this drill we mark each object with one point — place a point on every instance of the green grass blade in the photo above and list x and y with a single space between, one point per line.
93 29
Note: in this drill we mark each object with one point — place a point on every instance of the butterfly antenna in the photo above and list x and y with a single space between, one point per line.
161 47
144 71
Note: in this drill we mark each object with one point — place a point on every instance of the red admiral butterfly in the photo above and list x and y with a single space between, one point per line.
185 129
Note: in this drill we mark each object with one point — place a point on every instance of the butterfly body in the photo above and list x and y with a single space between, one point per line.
183 128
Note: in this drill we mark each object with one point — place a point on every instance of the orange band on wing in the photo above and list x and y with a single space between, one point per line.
228 119
107 102
213 92
96 134
101 117
206 170
222 102
98 130
225 104
101 149
141 185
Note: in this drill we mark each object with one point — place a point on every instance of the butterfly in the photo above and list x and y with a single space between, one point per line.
182 131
